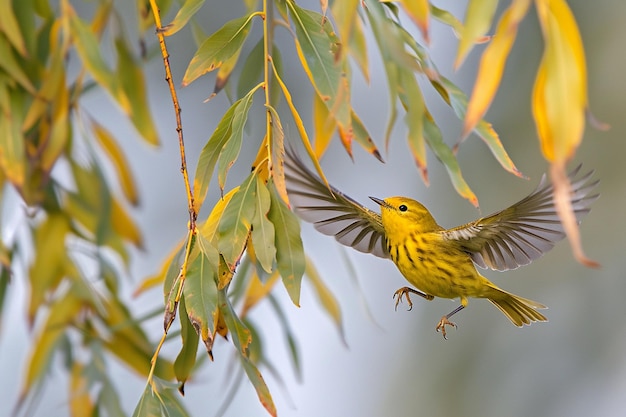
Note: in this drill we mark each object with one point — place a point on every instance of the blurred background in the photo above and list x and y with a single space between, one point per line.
393 362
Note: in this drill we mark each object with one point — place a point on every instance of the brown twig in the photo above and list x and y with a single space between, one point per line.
170 312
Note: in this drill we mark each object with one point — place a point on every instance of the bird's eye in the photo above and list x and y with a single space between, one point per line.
403 207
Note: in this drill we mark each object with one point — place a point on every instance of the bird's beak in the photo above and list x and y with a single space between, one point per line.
378 201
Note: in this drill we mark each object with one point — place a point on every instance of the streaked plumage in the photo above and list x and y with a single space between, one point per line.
441 262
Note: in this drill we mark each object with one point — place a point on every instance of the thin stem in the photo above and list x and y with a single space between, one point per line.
170 315
267 33
179 124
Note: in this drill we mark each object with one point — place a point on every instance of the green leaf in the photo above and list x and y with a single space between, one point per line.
394 57
12 66
210 154
171 406
148 405
252 70
218 47
446 156
241 339
234 225
162 403
457 99
358 49
478 17
186 358
133 85
262 229
97 372
232 147
200 292
289 250
224 73
13 153
48 267
363 138
275 89
411 97
281 6
88 50
171 276
5 276
10 27
186 12
318 48
448 18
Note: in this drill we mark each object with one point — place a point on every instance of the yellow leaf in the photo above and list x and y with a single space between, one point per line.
80 400
52 84
12 143
129 343
277 154
51 262
323 124
478 19
261 161
123 224
159 277
492 64
419 11
560 91
59 134
345 14
120 163
63 312
299 124
363 138
209 227
257 290
563 205
560 104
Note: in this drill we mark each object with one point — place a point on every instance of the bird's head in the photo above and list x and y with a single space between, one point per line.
401 215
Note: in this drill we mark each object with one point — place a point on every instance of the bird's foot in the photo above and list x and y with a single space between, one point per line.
441 326
403 292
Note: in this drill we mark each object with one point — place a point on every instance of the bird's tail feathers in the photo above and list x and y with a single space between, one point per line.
519 310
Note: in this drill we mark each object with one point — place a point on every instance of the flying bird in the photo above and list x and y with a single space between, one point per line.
441 262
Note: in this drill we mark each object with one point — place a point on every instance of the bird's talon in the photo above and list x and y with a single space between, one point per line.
403 292
441 326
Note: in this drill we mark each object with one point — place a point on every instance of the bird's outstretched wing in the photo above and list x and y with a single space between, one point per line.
523 232
332 212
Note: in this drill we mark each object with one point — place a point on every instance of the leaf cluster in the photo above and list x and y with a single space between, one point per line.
72 217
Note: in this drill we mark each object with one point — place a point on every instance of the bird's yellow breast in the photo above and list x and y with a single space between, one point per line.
435 266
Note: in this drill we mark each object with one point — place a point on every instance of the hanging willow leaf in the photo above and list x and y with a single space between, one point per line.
289 250
235 222
218 47
262 234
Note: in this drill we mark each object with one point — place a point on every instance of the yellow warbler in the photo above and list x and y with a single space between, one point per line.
441 262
